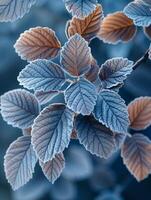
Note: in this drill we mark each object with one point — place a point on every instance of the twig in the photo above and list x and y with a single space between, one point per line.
142 60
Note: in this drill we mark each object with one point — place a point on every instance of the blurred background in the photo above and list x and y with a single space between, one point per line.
85 177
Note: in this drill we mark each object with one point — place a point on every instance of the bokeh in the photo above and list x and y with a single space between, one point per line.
85 177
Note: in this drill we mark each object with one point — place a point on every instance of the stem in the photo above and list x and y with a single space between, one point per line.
142 60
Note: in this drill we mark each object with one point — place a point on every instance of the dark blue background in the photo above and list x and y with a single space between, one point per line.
102 176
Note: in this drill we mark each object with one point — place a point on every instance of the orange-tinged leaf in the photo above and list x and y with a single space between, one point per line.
87 27
136 153
140 113
37 43
117 27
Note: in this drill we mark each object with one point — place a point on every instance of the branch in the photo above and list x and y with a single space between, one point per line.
142 60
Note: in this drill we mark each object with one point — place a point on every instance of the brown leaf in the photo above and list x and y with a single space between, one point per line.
140 113
92 74
136 153
74 134
37 43
117 27
87 27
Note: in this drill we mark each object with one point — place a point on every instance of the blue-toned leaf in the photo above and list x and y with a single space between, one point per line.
19 162
111 110
19 108
136 154
81 97
114 71
80 8
147 2
58 99
139 13
78 164
76 56
51 131
45 97
95 137
11 10
53 168
42 75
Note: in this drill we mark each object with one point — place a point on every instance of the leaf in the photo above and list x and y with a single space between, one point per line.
147 2
45 97
42 75
57 99
140 113
74 134
76 56
78 164
95 137
27 131
92 74
19 162
11 10
114 71
139 13
51 131
117 27
53 168
119 139
87 27
136 154
19 108
38 43
81 97
147 31
111 110
116 88
80 8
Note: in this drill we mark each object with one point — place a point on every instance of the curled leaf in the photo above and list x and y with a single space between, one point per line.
140 113
117 27
37 43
